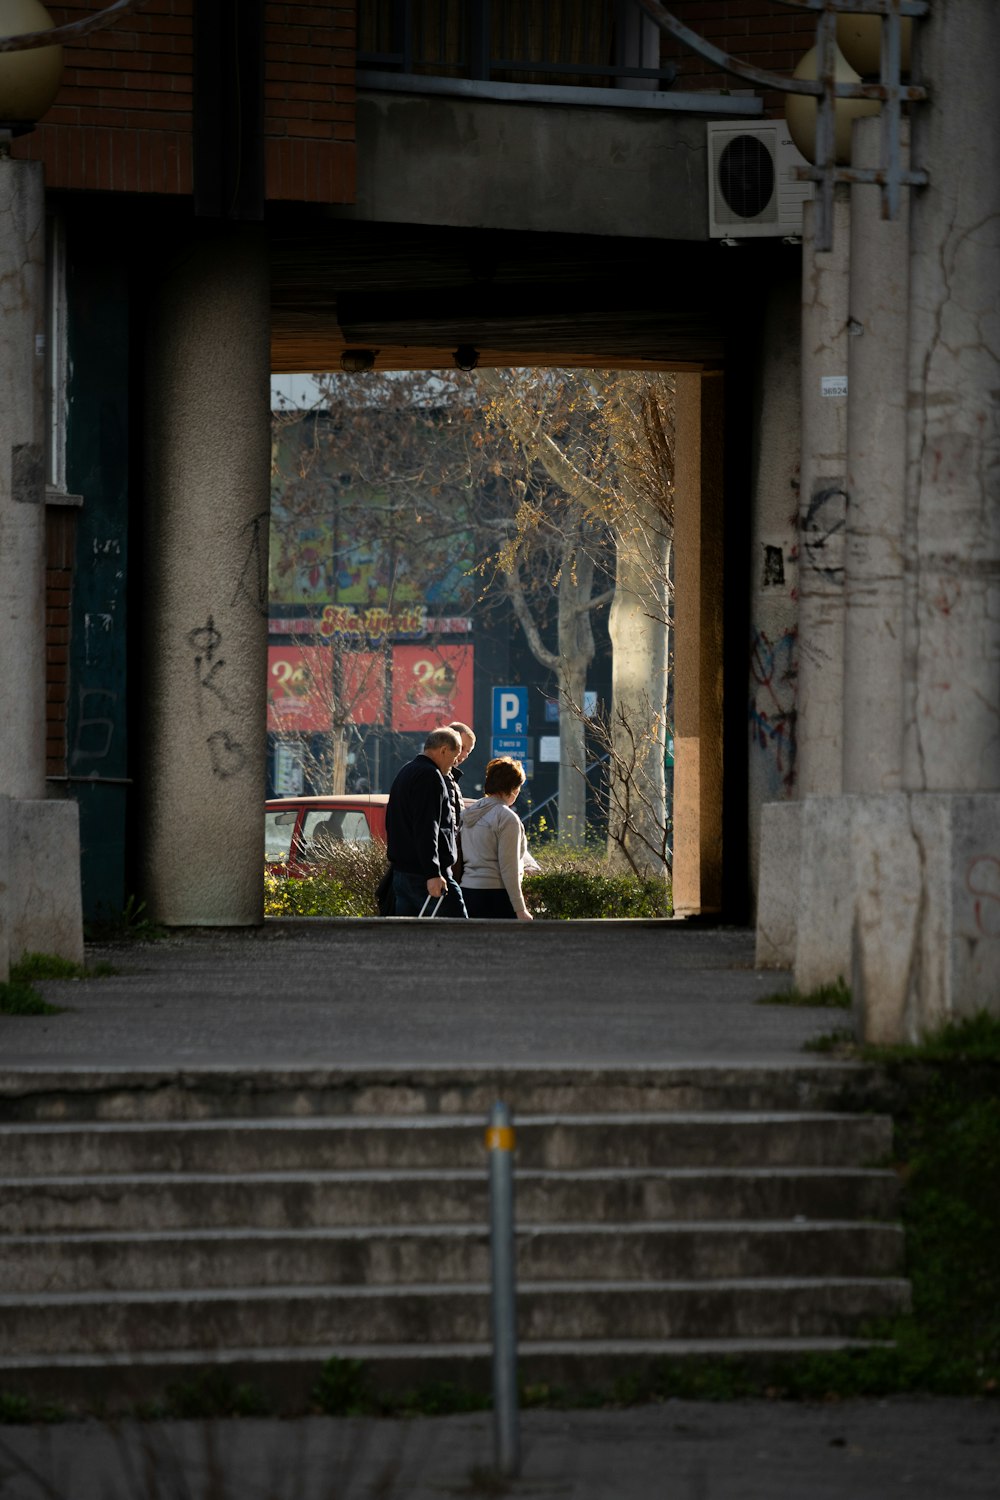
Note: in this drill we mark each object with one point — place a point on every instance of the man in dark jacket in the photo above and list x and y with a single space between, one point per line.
454 777
420 826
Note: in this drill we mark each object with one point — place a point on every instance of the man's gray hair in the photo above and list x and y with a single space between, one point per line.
445 736
463 729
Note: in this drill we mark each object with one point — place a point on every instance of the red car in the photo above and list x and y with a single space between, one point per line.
297 830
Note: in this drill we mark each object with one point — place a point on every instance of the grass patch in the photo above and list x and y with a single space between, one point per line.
20 999
209 1395
835 996
345 1389
841 1041
38 966
16 1409
974 1039
18 996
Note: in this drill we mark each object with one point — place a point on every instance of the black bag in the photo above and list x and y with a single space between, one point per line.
384 896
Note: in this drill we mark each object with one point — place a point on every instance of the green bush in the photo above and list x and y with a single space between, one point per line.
573 883
561 895
579 882
343 887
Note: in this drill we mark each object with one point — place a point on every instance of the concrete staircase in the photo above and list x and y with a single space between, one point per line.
156 1224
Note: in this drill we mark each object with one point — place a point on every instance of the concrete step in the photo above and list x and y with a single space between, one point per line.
382 1143
322 1317
232 1093
41 1264
168 1202
157 1223
286 1375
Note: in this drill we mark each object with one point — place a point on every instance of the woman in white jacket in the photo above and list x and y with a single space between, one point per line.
494 846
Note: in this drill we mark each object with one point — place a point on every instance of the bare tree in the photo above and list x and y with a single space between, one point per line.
603 443
557 540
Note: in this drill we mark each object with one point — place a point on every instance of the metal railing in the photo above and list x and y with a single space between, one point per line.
552 800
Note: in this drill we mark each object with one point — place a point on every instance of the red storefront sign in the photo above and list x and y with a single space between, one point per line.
431 685
302 693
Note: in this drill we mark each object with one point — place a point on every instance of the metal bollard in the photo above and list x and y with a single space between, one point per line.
506 1438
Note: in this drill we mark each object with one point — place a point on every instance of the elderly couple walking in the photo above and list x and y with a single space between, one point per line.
435 841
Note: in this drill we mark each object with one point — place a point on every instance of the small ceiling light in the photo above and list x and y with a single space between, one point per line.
466 357
356 360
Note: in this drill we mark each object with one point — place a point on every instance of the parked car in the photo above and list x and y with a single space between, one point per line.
298 831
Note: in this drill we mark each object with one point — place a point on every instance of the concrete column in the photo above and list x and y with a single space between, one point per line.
822 927
698 585
39 840
927 860
953 478
22 479
774 813
822 503
206 495
876 462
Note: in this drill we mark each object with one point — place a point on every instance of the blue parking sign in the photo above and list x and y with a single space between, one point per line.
510 711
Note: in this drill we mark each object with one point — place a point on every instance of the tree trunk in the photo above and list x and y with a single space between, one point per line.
338 759
637 812
576 652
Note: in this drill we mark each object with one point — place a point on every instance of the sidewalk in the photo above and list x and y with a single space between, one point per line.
376 993
899 1449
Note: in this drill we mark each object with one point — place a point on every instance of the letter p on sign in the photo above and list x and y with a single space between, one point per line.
510 710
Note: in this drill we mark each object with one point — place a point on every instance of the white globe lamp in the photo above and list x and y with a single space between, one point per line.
801 109
29 77
860 40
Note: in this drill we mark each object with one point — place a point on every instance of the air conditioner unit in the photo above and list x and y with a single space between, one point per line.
752 186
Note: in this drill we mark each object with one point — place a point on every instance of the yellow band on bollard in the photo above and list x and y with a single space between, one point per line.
500 1138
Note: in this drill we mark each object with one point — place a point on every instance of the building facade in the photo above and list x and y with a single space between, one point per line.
221 191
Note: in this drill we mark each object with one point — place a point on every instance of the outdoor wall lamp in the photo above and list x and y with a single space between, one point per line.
466 357
801 111
29 76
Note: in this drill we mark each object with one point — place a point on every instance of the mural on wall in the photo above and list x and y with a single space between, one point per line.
361 553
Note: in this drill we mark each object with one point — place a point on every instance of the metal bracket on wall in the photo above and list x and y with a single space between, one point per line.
890 91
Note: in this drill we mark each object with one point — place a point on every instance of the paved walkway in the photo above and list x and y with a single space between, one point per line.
395 993
899 1449
370 993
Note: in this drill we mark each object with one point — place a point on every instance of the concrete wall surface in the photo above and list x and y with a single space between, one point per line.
484 164
774 574
206 491
42 879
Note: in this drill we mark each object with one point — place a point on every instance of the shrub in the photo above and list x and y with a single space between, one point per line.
343 887
580 883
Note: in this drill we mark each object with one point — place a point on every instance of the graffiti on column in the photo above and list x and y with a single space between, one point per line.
982 881
823 527
252 583
227 755
208 665
772 705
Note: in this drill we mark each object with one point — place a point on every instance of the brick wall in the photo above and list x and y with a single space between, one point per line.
122 121
309 101
759 32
